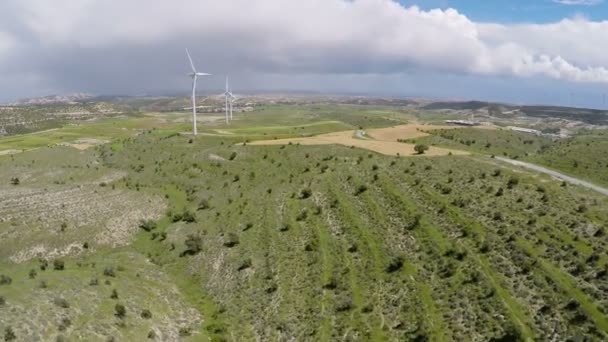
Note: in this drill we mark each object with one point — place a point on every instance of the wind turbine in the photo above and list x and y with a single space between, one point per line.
194 76
228 99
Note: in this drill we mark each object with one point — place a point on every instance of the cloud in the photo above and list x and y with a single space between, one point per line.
111 46
578 2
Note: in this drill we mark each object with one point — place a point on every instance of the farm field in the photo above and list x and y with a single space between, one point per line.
380 140
235 235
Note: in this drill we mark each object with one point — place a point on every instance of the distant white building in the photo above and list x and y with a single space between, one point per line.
525 130
462 123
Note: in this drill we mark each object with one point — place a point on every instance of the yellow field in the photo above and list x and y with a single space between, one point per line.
384 140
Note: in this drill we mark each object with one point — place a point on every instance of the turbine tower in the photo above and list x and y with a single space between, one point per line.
228 100
194 76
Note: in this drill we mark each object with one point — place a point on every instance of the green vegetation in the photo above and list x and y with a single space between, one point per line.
202 238
585 155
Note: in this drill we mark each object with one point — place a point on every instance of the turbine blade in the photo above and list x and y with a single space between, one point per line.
202 74
191 63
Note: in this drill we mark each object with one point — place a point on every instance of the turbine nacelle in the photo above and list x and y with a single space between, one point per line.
193 74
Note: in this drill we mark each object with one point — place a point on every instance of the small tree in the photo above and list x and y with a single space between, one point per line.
194 244
58 265
231 240
203 204
421 148
146 314
147 225
9 334
120 311
5 280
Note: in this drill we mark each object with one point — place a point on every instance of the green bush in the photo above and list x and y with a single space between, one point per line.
146 314
62 303
194 244
109 272
9 334
147 225
58 265
421 148
231 239
120 311
5 280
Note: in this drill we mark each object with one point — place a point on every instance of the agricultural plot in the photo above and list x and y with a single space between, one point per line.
380 140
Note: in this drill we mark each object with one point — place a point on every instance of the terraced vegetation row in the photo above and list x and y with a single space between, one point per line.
330 243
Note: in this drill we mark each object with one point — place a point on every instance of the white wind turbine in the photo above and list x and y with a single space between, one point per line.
228 99
194 76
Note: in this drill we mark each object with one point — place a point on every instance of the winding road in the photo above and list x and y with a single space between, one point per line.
555 174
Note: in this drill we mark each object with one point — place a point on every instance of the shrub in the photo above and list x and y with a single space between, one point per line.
58 265
114 294
244 264
194 244
343 303
62 303
185 331
421 148
43 264
203 204
94 282
188 216
232 156
303 215
513 181
2 300
64 324
32 273
147 225
395 265
361 189
146 314
231 240
15 181
9 334
305 193
5 280
109 272
120 311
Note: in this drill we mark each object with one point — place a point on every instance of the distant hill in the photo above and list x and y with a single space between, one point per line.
590 116
53 100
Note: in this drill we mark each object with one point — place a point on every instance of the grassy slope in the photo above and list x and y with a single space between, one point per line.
428 249
446 267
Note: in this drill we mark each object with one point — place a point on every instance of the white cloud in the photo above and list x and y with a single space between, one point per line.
578 2
316 36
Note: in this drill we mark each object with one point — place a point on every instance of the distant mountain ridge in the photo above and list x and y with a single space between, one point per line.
53 99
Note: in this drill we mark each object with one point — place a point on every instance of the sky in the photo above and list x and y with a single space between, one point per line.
533 51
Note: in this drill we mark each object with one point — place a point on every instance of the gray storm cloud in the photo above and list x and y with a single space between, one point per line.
136 44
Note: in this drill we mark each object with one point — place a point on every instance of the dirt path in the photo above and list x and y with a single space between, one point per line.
382 140
555 174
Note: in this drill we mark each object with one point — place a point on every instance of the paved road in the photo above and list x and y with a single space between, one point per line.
556 174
